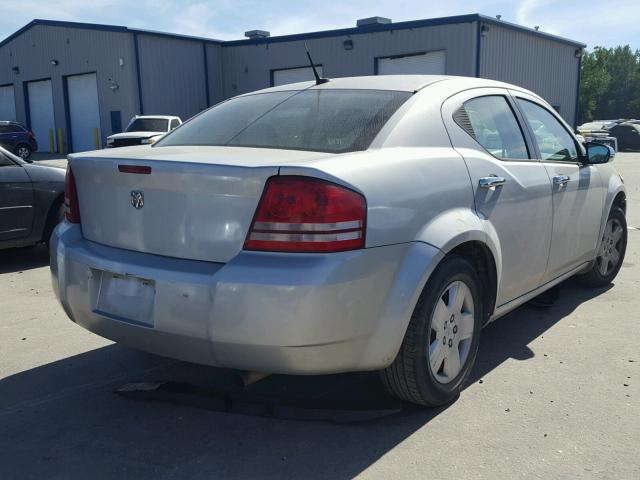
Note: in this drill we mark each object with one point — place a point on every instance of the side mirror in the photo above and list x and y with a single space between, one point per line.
597 153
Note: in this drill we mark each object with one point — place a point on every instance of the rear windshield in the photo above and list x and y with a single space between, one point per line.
149 125
333 121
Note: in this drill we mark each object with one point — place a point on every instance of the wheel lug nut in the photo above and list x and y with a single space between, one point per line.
455 329
450 343
444 340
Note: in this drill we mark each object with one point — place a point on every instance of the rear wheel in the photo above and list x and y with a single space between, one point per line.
441 342
23 151
611 252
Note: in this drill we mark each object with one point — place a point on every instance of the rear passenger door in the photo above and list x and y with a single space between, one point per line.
578 192
485 130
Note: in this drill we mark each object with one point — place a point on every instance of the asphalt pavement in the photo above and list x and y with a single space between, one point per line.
555 395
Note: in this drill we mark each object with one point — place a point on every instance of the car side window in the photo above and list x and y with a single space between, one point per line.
174 123
492 123
554 142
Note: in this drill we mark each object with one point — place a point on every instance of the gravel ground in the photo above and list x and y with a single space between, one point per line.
555 395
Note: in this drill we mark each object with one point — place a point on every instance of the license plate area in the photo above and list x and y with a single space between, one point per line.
124 297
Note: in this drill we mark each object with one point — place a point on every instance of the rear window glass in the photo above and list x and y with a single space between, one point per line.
148 125
333 121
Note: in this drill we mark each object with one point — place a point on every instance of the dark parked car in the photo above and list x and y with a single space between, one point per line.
31 200
628 135
17 139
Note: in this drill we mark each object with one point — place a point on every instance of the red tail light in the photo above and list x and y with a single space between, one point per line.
303 214
71 205
30 133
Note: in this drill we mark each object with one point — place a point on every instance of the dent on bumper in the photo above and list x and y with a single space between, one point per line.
285 313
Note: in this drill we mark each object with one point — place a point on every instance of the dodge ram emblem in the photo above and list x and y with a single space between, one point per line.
137 199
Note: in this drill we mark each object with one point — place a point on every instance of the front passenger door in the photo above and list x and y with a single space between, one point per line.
16 200
578 192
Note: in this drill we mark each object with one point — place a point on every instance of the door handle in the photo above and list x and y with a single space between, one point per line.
491 181
561 180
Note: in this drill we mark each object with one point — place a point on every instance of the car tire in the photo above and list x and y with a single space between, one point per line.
23 151
610 257
425 371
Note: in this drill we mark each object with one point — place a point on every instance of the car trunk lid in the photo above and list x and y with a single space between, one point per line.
184 202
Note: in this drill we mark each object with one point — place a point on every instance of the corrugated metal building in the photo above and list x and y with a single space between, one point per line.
73 83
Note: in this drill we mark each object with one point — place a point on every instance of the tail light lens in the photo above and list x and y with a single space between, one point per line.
303 214
30 134
71 205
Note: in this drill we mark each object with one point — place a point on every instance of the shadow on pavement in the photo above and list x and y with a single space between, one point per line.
63 420
20 259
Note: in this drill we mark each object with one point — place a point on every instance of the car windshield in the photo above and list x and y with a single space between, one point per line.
148 125
333 121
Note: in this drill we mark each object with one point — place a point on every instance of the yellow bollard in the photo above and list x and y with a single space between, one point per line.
52 141
60 144
96 138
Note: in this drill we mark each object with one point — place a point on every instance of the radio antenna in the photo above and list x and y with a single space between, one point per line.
319 81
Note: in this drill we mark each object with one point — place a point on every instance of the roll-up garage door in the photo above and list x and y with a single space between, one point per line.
293 75
84 112
431 63
41 112
7 103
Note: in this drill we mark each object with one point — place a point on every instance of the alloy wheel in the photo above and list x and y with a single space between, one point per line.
609 254
23 152
451 332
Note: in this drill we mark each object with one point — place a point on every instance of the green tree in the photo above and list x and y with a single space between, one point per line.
610 84
594 80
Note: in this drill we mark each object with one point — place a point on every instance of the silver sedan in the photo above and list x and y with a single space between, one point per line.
371 223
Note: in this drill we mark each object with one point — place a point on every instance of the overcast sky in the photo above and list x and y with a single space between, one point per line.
611 23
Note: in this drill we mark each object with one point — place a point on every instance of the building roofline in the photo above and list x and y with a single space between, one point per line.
475 17
102 27
538 33
376 27
371 28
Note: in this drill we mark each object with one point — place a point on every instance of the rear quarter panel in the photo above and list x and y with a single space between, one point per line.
413 194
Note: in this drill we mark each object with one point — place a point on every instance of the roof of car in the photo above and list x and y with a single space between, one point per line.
403 83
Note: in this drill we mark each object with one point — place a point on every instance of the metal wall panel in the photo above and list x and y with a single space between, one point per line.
542 65
7 103
248 66
214 77
172 73
76 51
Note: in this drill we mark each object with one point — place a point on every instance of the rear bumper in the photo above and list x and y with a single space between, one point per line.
276 313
